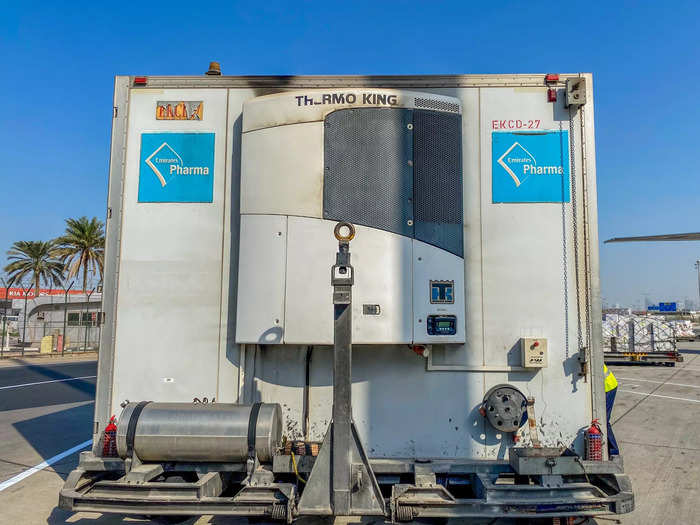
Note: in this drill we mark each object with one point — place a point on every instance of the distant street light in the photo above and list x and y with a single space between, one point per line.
25 291
4 336
697 267
65 316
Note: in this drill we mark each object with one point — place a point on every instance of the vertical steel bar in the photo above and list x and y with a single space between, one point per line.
65 317
5 336
24 320
86 320
697 267
342 280
342 406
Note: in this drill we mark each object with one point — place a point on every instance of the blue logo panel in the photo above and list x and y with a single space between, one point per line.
176 167
530 167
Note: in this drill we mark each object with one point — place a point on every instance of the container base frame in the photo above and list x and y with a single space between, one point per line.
412 488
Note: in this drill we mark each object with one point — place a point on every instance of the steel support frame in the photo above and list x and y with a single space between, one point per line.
341 482
609 492
89 491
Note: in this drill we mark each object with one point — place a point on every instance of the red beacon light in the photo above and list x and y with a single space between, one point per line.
140 81
549 79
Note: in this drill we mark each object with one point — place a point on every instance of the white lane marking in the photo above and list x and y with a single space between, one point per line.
44 382
660 382
41 466
658 395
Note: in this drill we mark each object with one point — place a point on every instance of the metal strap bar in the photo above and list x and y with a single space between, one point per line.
131 429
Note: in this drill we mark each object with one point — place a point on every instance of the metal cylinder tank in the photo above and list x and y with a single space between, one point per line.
199 432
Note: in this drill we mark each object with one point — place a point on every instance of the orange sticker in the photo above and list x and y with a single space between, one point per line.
180 110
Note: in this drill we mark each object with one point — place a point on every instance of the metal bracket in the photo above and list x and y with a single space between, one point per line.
342 482
143 472
583 361
575 92
532 422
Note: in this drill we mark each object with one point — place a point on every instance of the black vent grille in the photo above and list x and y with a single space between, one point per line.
398 170
439 105
368 175
438 179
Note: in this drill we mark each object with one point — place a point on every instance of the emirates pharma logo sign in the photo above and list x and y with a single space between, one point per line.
530 167
176 167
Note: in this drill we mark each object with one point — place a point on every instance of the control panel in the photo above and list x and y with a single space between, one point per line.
534 352
442 325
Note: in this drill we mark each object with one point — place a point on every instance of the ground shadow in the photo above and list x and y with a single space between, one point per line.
53 433
47 394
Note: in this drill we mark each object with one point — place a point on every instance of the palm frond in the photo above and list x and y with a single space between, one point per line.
81 247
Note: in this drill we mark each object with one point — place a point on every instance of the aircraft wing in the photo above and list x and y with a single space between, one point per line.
666 237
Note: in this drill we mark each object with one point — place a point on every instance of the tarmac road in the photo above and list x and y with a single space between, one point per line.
46 409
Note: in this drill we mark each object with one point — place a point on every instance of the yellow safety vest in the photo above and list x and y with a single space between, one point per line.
610 381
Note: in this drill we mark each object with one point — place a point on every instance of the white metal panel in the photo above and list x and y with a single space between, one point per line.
398 408
166 340
527 256
382 263
262 260
471 204
230 353
523 244
431 263
279 378
282 170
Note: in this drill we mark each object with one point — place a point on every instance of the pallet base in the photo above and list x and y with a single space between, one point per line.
667 358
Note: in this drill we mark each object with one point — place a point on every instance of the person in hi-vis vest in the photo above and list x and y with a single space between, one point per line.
610 392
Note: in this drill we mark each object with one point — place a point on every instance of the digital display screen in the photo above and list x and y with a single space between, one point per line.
441 325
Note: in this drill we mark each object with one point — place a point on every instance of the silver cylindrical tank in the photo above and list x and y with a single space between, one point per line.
200 432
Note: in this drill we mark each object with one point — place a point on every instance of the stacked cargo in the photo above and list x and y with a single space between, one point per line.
640 338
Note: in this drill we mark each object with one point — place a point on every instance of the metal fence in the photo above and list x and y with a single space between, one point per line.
77 336
77 331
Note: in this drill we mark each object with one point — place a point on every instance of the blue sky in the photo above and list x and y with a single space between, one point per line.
59 62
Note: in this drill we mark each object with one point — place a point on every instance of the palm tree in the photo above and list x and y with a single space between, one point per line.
34 259
82 247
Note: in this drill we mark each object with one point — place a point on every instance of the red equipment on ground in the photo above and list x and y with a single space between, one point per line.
109 447
594 442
